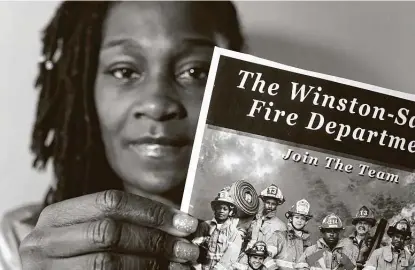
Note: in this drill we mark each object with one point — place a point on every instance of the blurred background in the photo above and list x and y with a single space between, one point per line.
371 42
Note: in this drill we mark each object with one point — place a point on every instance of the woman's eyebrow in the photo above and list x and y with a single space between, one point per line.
198 41
184 42
125 42
189 44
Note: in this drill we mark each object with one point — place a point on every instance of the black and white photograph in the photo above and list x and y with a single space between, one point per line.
109 161
286 181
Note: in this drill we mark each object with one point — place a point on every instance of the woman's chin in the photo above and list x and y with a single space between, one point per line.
157 183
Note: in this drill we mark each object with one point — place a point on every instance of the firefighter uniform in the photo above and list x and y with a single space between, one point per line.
286 247
386 258
367 215
264 226
390 257
220 243
410 248
321 257
259 249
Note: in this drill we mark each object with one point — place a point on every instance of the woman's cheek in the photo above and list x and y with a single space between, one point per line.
112 107
193 106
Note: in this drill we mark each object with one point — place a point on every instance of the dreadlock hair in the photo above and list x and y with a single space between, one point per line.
66 129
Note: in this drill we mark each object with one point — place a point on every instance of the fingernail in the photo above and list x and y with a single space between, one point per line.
186 251
185 223
178 266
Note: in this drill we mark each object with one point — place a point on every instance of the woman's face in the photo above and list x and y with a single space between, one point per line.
221 212
152 71
298 221
256 261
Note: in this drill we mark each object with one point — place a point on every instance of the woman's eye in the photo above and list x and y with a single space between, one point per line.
125 74
199 74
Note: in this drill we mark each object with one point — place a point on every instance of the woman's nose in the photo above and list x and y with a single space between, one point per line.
160 108
159 102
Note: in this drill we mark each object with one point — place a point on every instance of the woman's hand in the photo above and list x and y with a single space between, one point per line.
109 230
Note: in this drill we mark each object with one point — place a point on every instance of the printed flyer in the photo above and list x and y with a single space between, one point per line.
293 169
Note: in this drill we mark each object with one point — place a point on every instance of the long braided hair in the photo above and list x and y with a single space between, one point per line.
66 129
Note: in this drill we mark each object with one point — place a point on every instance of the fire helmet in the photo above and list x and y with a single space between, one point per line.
258 249
302 207
332 221
224 197
401 227
273 192
365 214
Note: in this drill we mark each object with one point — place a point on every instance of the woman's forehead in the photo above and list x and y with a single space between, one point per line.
158 20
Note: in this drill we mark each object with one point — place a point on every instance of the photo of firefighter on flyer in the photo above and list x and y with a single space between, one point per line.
273 195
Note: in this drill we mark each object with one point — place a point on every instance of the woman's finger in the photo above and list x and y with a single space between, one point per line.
178 266
118 205
108 235
98 261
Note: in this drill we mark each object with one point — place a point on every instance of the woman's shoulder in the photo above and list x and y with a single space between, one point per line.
24 211
21 219
15 225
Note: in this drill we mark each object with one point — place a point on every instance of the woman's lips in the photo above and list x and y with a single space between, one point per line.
156 151
159 148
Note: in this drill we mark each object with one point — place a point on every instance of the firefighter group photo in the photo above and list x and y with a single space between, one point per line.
259 211
245 233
